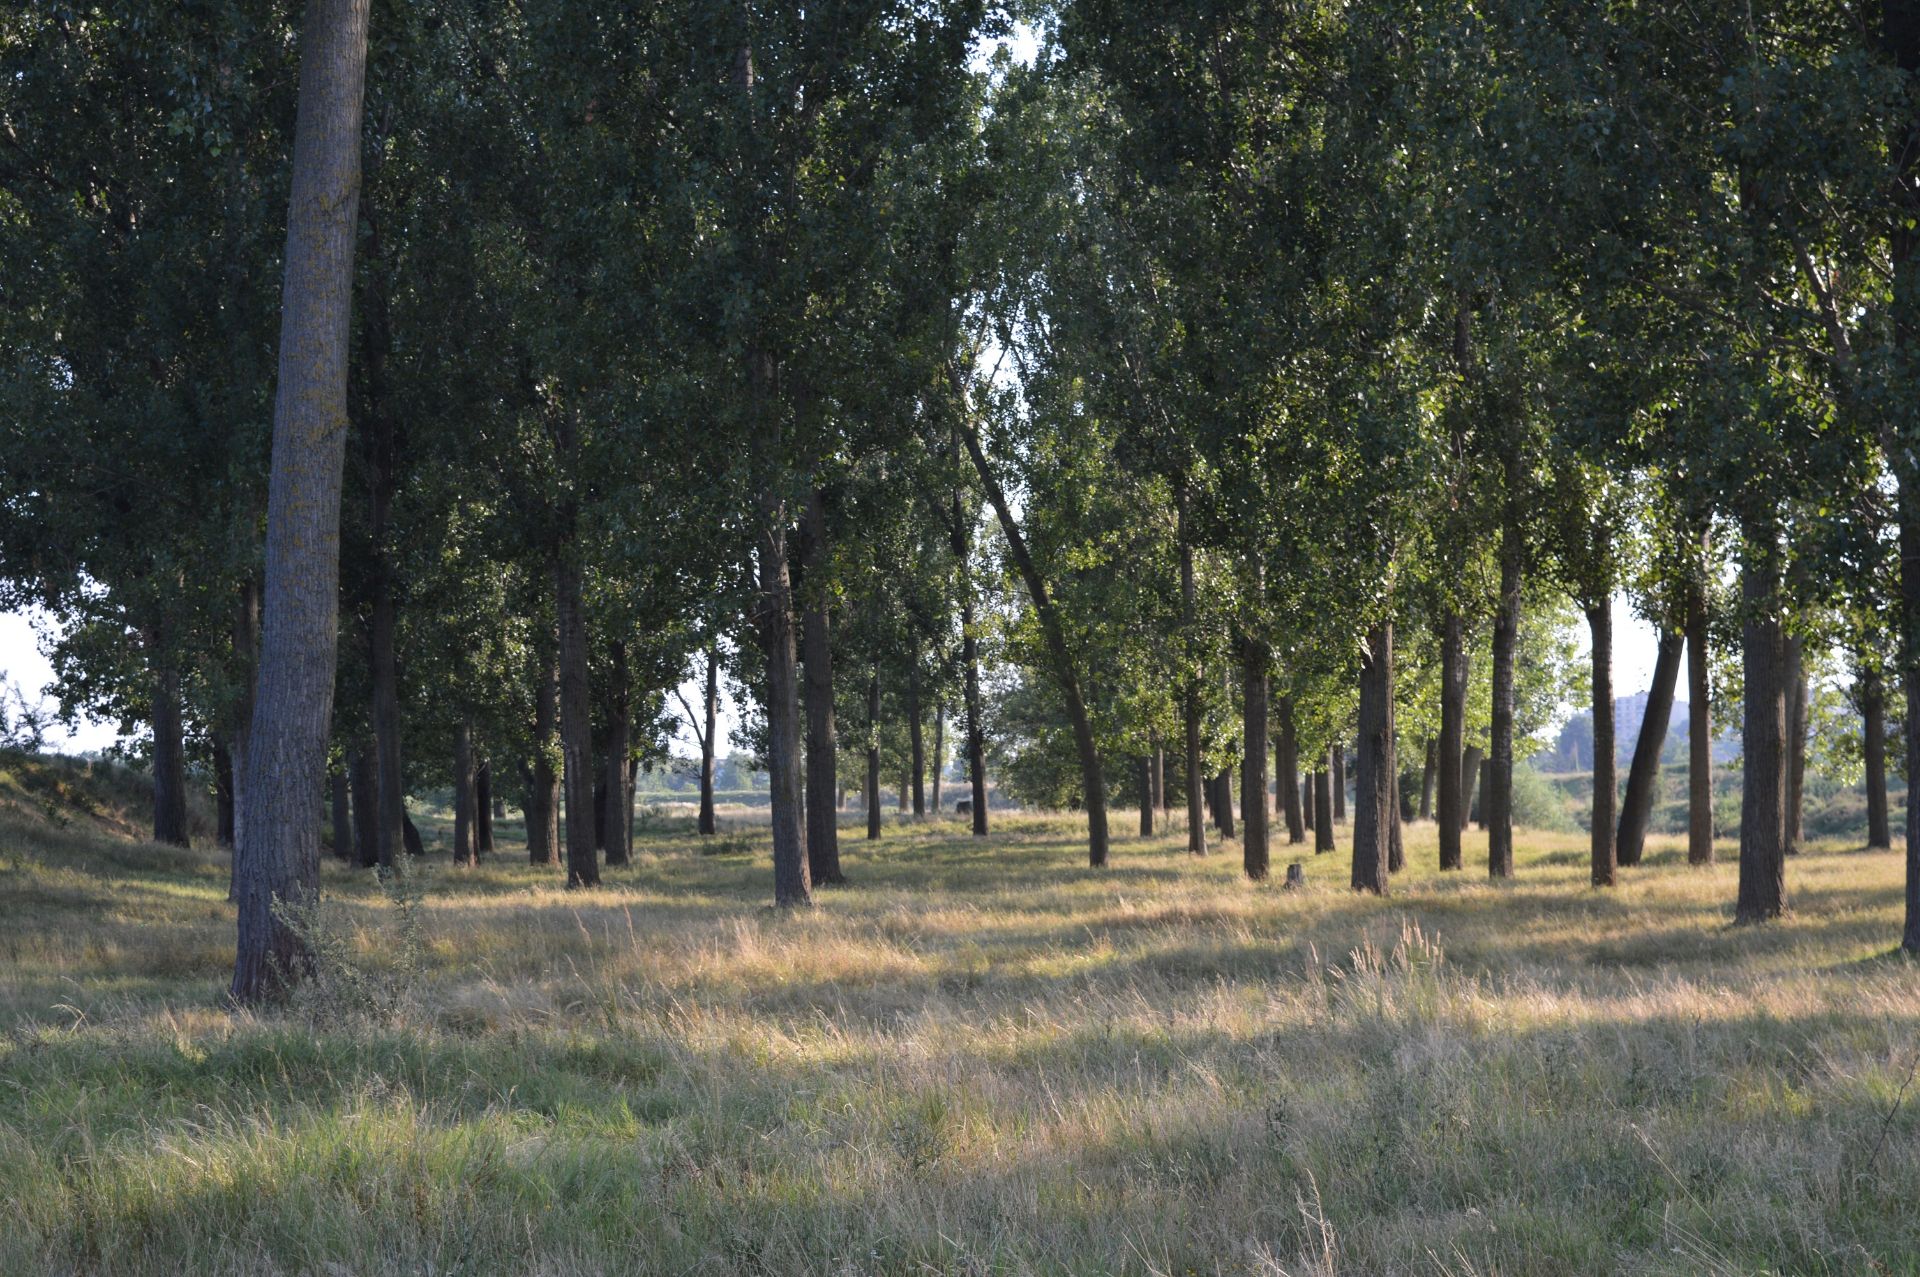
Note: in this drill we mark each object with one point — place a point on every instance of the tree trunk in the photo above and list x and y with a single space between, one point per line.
1643 777
286 756
1190 708
1427 773
1900 38
1699 735
223 794
708 745
1796 689
543 778
792 884
410 836
939 754
1093 782
1453 720
1339 782
1322 807
1286 767
1372 811
1223 809
1396 839
463 805
970 661
365 782
1763 815
917 735
1600 625
823 738
1497 803
1157 777
619 755
1873 716
1146 795
1307 803
873 755
576 728
1470 772
1254 853
483 809
340 817
169 757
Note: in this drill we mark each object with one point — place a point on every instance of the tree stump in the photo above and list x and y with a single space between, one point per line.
1296 876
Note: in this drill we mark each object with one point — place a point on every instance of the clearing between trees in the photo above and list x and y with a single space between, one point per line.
979 1057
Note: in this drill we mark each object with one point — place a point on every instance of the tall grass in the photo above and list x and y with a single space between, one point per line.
979 1058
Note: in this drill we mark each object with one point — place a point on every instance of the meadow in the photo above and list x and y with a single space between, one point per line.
981 1057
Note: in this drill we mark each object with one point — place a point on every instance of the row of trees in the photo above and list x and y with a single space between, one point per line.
1216 387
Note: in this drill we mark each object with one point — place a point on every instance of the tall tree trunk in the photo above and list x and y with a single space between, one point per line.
364 777
962 538
1372 814
1699 735
1254 852
1498 801
708 745
1453 721
619 755
1093 781
1286 767
1339 782
1307 803
463 804
1470 772
917 736
1396 839
1900 39
169 756
1763 814
1873 716
340 817
1223 809
939 754
223 794
1796 689
1643 777
1427 773
873 755
1600 625
576 727
823 738
483 808
1190 698
1146 795
1323 810
1157 776
286 755
543 778
792 884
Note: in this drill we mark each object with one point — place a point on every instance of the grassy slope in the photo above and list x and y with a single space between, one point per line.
982 1058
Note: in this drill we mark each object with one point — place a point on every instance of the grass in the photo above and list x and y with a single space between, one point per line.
980 1058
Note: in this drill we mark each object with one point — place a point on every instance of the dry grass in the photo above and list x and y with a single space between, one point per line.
980 1058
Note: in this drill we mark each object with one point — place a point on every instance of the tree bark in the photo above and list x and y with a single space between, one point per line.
708 745
1093 782
873 755
792 884
1497 803
1372 814
543 778
619 755
1396 842
169 756
1286 767
1157 776
1146 795
1600 625
1643 777
1763 815
823 738
1254 851
1453 720
1322 807
576 727
1427 773
286 756
1900 39
483 808
365 782
1307 804
939 755
1339 782
1223 807
1796 690
1699 735
340 817
917 736
1471 769
1873 717
463 804
962 539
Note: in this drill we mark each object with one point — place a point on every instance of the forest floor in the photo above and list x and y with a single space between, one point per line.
980 1057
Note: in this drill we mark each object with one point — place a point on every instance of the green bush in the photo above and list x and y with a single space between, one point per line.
1538 803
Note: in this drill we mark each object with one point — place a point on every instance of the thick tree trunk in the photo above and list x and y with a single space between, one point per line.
917 736
1699 736
873 755
223 794
708 745
1600 625
1286 767
1373 775
823 737
1796 689
1497 803
1254 852
543 778
1873 721
1427 773
1307 804
1643 777
463 804
619 755
1900 38
1471 769
340 815
483 808
1322 809
169 757
1093 781
1453 718
364 775
1223 807
1339 783
792 884
1763 806
286 756
576 729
